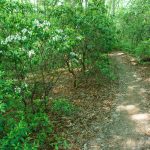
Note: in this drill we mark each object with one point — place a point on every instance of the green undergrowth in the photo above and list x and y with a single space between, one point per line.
63 107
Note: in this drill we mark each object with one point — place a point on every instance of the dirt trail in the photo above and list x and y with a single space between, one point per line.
129 125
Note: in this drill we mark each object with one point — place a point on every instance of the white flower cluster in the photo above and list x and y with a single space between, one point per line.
79 38
74 57
24 31
59 31
17 89
13 38
16 37
41 25
73 54
24 84
60 3
31 53
56 38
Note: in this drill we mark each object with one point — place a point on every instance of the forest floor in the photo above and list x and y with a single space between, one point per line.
113 115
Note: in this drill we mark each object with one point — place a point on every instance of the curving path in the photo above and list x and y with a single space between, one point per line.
129 125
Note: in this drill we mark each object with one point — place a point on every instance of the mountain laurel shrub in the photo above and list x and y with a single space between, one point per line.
33 46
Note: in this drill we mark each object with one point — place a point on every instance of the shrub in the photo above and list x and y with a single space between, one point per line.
63 106
143 50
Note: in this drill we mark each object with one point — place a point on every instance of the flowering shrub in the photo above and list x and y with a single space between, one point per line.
33 46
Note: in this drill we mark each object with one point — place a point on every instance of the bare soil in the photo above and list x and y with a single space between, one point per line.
129 124
112 115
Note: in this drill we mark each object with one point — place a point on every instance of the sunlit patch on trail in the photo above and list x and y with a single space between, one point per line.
92 145
132 87
129 143
142 123
136 144
147 80
131 109
138 79
142 90
134 75
116 54
133 61
141 117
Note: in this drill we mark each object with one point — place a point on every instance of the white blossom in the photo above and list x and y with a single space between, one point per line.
79 37
36 22
45 29
17 89
31 53
24 31
59 31
26 85
47 23
73 54
13 38
56 38
15 10
24 38
60 3
3 43
41 25
18 37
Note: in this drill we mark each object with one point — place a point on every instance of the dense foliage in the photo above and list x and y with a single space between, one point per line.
36 42
134 28
40 42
